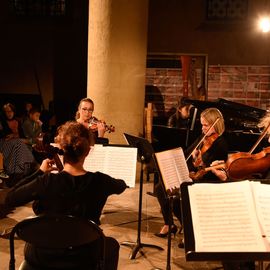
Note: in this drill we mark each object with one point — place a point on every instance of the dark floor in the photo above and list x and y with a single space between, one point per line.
120 221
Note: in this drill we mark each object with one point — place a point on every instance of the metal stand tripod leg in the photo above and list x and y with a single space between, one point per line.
136 247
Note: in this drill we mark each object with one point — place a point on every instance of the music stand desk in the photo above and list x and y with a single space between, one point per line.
190 252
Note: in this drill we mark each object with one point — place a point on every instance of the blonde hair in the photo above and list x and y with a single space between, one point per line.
77 115
211 115
265 121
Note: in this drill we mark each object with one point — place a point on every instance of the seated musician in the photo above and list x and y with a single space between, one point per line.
73 191
222 174
84 115
213 147
180 119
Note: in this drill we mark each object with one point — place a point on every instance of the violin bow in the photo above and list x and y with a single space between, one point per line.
202 138
259 139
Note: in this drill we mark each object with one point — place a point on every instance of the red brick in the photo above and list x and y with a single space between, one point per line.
253 78
253 95
214 69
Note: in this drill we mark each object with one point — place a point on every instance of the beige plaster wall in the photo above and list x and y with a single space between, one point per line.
116 63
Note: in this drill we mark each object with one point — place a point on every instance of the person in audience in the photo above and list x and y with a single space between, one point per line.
84 115
213 147
32 126
25 114
18 159
73 191
12 126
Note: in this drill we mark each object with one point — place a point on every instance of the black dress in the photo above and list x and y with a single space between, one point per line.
83 196
217 151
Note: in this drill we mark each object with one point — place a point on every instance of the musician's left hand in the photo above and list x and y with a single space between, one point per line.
220 173
48 165
101 127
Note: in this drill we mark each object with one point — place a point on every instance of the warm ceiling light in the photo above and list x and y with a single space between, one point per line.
264 24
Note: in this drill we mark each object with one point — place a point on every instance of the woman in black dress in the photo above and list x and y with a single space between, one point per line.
213 147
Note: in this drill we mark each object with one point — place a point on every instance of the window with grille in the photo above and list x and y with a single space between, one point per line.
41 8
231 10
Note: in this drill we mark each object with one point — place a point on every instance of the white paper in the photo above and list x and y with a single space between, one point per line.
118 162
224 218
173 167
262 203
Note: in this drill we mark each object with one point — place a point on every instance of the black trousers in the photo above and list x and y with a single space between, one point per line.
164 204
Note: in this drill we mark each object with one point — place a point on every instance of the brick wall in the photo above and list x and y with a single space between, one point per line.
248 85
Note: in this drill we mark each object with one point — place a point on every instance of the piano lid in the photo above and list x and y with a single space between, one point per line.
237 116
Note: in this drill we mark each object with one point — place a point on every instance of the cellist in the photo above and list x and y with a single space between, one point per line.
223 174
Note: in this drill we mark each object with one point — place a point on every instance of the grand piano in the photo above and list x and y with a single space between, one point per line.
241 122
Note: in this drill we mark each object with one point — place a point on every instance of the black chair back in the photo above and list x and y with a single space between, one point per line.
56 231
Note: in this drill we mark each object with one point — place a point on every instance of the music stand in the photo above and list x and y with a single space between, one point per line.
170 195
145 152
192 255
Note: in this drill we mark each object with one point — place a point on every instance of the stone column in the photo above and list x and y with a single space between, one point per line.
117 48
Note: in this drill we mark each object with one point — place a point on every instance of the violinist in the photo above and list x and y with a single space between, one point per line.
213 146
84 115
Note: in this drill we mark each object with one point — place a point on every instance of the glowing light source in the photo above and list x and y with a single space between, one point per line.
264 24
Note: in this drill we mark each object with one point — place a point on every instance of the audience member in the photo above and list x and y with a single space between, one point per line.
25 114
12 126
32 126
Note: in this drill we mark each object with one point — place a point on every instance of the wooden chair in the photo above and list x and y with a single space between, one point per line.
55 232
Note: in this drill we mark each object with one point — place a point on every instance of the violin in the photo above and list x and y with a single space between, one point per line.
44 146
206 144
203 138
93 125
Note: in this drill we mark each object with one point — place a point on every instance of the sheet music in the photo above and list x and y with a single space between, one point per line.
262 203
118 162
173 167
224 218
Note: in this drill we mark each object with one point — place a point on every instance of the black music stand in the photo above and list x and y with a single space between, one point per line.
190 252
169 196
145 152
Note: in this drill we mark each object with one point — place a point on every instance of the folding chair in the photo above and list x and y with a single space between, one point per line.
56 232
